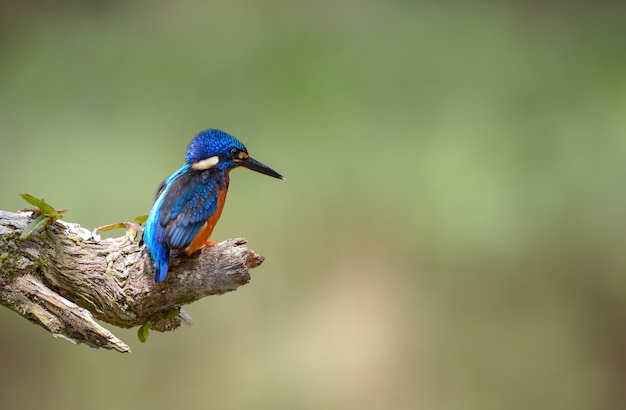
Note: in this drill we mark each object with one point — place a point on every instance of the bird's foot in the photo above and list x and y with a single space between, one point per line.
208 244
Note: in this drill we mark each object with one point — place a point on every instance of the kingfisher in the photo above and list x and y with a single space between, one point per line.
189 202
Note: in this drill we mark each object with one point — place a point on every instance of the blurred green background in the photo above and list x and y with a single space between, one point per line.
450 235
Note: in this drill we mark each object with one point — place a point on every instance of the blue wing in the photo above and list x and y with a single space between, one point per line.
183 203
188 202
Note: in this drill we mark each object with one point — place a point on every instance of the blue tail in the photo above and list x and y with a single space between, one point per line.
161 267
153 237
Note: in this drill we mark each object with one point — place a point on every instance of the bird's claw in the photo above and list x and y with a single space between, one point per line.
208 244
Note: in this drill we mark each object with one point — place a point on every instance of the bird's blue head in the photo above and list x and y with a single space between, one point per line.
215 148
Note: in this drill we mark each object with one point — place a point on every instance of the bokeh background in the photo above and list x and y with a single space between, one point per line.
450 235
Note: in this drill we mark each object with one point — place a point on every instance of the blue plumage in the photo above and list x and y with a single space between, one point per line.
189 202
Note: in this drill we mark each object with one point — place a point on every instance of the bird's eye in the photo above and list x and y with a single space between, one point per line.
238 155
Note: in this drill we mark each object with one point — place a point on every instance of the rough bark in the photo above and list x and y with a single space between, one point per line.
65 276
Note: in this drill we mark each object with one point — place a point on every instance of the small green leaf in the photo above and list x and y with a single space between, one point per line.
143 331
35 226
141 219
172 314
41 204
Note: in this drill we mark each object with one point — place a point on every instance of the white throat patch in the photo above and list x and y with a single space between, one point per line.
205 163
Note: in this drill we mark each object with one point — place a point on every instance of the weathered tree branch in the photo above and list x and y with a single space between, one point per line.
66 276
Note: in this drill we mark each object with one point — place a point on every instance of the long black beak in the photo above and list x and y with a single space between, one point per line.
255 165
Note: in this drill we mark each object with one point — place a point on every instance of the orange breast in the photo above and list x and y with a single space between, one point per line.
205 231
